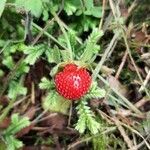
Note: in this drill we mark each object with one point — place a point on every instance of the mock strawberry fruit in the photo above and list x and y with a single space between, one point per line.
73 82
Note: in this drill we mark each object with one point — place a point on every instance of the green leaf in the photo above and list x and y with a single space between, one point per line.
71 6
91 46
2 6
94 11
65 55
46 84
86 119
53 55
22 69
8 62
35 6
13 143
17 123
16 89
56 103
1 73
54 70
34 52
95 92
88 3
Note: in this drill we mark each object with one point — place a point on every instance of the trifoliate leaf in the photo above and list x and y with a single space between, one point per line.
56 103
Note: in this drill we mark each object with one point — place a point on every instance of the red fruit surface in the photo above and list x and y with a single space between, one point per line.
73 82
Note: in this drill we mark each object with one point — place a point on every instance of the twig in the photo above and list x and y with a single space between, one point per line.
42 31
138 105
121 65
103 13
132 107
65 34
73 145
108 49
123 133
33 93
48 35
70 114
145 81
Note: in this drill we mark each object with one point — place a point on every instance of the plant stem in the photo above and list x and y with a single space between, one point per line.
6 110
108 49
122 97
65 34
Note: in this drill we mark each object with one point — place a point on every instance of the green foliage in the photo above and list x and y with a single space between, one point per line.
33 53
70 6
99 142
95 11
13 143
56 103
1 72
8 62
35 6
17 123
16 89
86 119
91 46
2 6
95 92
53 55
46 84
146 125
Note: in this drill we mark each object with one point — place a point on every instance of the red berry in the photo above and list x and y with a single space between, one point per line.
70 67
73 82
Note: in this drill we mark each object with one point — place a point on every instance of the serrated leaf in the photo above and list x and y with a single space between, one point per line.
35 6
94 11
71 6
2 6
53 55
86 119
8 62
65 55
56 103
17 123
22 68
46 84
95 92
16 89
89 4
91 46
13 143
33 53
54 70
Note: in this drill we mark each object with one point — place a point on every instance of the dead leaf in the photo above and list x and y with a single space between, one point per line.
115 84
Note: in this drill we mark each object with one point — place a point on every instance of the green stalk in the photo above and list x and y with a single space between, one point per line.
65 34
